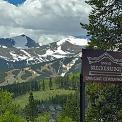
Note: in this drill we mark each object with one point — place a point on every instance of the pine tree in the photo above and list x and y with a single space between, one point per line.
104 29
104 102
31 111
72 107
43 85
105 24
50 83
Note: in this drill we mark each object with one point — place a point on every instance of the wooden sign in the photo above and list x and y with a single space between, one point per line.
101 66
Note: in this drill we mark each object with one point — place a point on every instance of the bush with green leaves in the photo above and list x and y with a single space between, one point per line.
104 102
64 119
72 108
45 117
9 112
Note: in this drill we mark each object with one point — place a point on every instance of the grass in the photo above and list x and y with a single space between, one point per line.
41 95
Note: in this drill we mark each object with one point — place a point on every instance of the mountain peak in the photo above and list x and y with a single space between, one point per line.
23 35
21 41
24 41
74 41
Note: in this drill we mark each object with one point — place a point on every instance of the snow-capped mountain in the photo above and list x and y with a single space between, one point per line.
21 41
67 47
57 58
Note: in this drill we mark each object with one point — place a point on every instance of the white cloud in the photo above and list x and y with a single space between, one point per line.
38 17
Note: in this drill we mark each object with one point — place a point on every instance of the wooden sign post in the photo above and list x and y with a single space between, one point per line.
99 66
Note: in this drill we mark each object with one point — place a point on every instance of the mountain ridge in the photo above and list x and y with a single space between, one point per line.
54 59
21 41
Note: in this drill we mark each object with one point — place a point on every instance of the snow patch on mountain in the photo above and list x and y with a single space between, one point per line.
4 46
26 53
48 52
55 53
63 74
60 51
74 40
5 58
68 66
58 56
18 57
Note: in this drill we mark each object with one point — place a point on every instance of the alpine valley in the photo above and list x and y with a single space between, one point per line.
22 59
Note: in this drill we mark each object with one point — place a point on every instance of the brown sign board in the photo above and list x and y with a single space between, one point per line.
101 66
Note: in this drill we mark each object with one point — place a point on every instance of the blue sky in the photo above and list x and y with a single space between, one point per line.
15 2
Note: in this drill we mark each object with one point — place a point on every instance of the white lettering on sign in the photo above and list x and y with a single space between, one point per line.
93 78
102 65
106 68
